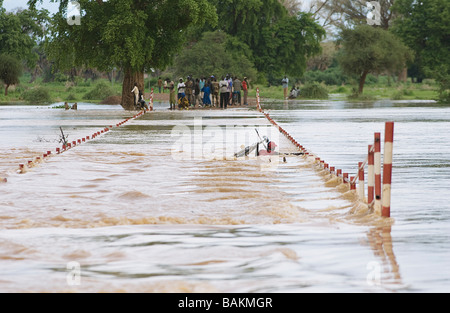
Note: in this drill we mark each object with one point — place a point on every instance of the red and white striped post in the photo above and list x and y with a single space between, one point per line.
387 169
371 176
151 100
361 181
257 98
377 169
352 183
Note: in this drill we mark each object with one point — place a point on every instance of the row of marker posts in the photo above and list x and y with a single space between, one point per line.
378 195
70 145
378 186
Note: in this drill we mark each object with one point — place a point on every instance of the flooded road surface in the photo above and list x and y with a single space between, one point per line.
161 205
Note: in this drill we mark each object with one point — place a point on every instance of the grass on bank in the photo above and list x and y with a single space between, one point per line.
96 91
39 92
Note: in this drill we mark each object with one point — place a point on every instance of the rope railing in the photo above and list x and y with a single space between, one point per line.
24 167
378 191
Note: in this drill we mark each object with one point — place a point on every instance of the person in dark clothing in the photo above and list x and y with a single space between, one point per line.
196 92
224 93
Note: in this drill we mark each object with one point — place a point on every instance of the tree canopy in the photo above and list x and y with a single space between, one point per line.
216 53
280 42
367 49
21 32
10 70
425 27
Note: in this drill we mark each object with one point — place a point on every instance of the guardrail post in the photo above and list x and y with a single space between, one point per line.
361 181
151 100
377 170
370 176
387 169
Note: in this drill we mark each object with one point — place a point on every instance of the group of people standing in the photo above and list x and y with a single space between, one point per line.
207 92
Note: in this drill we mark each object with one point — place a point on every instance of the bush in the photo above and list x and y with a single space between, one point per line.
340 89
101 91
314 91
37 95
330 76
444 97
398 95
72 96
443 81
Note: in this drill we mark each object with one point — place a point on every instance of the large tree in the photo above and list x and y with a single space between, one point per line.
367 49
280 40
134 35
285 47
10 71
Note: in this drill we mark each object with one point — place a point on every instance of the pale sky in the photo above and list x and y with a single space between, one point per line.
11 5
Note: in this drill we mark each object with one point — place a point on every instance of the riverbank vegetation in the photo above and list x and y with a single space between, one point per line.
101 90
331 49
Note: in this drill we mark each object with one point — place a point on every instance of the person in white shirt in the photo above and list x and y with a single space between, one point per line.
136 93
224 93
181 88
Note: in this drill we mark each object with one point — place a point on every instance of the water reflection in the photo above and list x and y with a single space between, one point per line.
380 241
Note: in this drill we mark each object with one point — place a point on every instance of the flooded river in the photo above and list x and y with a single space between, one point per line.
160 204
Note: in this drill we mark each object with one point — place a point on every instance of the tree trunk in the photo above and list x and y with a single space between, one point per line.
6 90
362 81
403 75
129 79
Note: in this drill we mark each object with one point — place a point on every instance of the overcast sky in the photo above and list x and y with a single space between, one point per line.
11 5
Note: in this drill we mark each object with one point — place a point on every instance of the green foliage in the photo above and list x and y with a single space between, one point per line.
400 94
367 49
314 90
127 34
444 97
330 76
280 43
424 26
340 89
37 95
443 80
72 96
10 70
216 54
20 32
101 91
287 45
